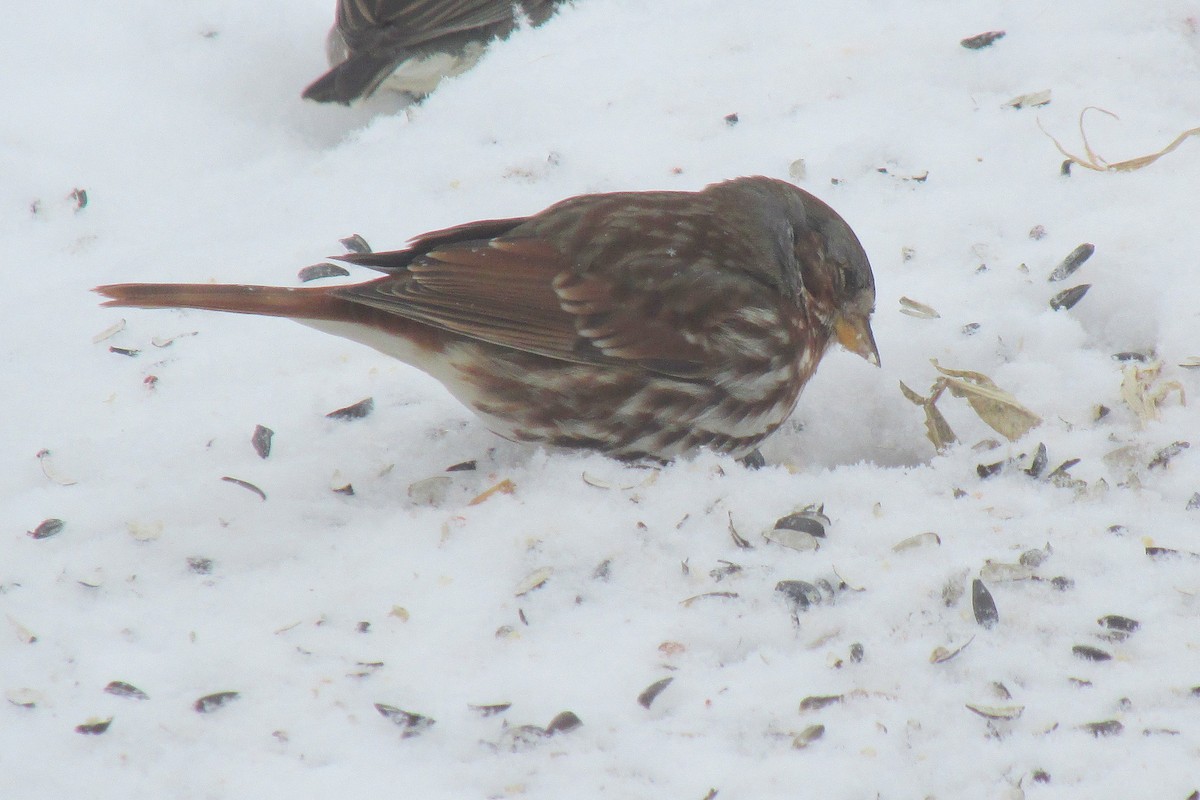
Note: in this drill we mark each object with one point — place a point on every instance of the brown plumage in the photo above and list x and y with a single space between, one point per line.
638 324
413 44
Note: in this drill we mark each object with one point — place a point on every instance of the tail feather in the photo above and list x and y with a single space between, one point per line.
271 301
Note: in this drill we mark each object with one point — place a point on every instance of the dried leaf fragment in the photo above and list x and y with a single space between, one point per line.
999 409
1144 392
926 539
1098 164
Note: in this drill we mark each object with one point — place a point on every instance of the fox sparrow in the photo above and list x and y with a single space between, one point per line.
413 44
638 324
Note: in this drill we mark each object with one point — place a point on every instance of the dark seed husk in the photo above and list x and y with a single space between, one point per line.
80 197
805 523
1067 298
356 411
261 440
985 471
807 736
94 728
754 460
46 528
462 466
211 702
325 269
1193 503
1072 262
1040 459
123 689
564 722
1041 776
1109 727
857 652
652 691
1130 355
413 724
982 40
817 702
355 243
983 605
1115 622
124 351
1091 653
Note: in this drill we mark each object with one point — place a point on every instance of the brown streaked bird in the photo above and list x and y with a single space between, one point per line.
411 45
637 324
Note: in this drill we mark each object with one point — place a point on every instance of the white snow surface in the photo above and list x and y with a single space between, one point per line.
183 123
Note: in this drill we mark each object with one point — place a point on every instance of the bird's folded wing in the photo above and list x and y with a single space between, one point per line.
408 24
524 294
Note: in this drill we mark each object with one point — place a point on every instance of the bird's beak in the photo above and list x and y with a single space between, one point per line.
854 334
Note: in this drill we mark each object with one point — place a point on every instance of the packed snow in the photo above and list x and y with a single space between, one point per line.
557 582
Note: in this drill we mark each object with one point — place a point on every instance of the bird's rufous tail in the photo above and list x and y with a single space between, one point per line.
271 301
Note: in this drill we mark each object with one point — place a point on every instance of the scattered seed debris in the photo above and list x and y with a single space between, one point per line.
983 605
807 736
490 710
982 40
211 702
563 722
167 341
926 539
739 541
109 332
941 655
534 580
798 170
1089 653
245 485
122 689
648 695
1040 459
1163 457
731 119
51 471
505 486
325 269
817 702
462 466
1074 260
23 698
354 411
413 724
689 601
1067 298
914 308
355 243
1109 727
996 712
46 528
124 351
261 440
79 197
199 565
1193 503
94 727
1037 232
1029 100
970 329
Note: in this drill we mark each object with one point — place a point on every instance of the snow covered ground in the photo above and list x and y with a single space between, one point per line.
183 123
